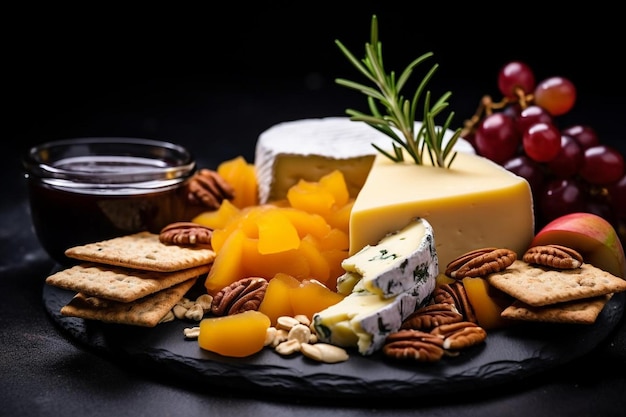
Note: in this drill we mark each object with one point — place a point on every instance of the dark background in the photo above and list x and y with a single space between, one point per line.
212 78
226 73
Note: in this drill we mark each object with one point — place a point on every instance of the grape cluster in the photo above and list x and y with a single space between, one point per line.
568 168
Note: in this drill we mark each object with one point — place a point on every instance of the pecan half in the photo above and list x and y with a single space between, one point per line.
185 233
414 344
460 335
428 317
207 188
242 295
442 296
554 256
480 262
457 292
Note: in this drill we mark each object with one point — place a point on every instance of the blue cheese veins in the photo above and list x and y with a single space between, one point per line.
398 263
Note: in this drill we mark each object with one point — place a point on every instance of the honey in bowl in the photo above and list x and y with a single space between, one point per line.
91 189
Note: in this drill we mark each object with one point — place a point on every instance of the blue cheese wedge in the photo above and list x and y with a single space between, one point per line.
364 320
383 285
398 263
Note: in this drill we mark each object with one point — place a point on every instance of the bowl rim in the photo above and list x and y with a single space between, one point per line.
161 160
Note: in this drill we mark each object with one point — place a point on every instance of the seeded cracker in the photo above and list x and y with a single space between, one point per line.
117 283
145 312
574 312
142 251
538 286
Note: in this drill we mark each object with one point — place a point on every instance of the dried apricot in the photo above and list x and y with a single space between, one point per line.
236 335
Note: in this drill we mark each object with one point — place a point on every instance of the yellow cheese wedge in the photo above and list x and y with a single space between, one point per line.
475 204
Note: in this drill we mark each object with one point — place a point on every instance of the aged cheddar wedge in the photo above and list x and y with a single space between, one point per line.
475 204
399 262
308 149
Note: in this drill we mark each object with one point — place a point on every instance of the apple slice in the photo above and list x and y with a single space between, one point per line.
591 235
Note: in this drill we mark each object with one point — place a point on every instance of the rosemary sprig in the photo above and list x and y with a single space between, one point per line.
398 119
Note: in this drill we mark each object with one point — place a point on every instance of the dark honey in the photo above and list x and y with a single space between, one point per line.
87 190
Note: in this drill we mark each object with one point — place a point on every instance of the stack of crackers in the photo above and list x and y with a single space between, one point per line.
132 279
558 296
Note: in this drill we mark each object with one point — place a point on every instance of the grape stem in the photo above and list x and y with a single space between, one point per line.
487 106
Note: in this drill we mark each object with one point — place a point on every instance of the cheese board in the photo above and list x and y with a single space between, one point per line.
507 355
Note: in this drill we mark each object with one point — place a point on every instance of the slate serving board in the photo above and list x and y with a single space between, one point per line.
507 355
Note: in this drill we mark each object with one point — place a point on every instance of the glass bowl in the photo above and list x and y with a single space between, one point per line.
91 189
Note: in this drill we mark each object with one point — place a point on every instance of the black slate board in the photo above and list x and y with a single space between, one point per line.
507 355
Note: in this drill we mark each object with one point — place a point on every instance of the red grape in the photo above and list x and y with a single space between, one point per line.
470 137
513 76
561 197
531 115
527 168
542 142
602 165
512 110
585 135
497 138
617 197
556 95
569 160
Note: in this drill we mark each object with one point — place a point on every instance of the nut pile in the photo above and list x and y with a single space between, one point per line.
448 324
295 334
187 309
436 330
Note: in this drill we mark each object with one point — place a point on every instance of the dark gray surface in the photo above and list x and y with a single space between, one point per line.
171 77
507 356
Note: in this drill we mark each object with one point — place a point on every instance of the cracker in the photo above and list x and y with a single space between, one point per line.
117 283
145 312
142 250
538 286
584 311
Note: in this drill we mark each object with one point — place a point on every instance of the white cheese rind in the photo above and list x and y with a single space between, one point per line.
308 149
399 262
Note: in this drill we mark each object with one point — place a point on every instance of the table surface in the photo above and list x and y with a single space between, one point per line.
45 373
